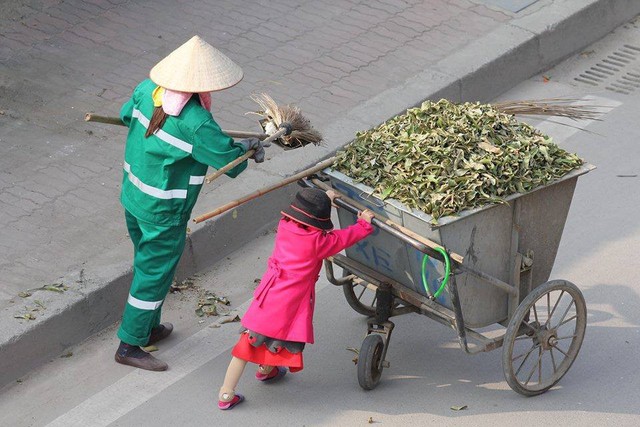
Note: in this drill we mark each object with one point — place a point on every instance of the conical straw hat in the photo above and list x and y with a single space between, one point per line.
196 66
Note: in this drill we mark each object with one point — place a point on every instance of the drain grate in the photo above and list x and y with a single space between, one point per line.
617 72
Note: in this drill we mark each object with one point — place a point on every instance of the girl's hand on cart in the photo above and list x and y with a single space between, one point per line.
332 195
366 214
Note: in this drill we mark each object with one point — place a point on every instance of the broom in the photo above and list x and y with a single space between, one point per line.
284 123
559 107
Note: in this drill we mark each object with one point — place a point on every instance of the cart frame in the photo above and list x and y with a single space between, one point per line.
393 299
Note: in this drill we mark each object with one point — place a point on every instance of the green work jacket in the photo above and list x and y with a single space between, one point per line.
163 174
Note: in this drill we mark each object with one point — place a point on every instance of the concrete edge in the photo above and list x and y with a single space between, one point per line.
537 48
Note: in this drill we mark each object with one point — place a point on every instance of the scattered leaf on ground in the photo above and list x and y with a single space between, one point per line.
215 325
26 316
459 408
25 294
40 304
370 420
230 319
355 350
182 286
55 287
222 300
207 304
210 310
150 348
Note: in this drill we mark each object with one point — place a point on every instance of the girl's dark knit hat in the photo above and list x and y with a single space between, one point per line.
311 207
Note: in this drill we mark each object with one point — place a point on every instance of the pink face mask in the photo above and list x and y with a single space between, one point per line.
173 101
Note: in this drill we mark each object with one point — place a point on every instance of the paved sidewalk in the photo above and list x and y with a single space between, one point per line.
348 65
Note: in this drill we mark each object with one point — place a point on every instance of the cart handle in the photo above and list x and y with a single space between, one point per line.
420 243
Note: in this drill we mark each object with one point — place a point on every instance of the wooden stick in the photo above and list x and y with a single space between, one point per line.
90 117
433 245
317 168
103 119
242 158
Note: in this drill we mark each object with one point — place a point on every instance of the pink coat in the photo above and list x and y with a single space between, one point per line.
283 303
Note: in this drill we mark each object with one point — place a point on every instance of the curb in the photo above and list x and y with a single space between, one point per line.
483 70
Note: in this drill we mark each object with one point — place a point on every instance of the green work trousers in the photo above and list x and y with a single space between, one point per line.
156 252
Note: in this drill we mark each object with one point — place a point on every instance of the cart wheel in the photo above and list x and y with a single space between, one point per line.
544 337
369 363
360 298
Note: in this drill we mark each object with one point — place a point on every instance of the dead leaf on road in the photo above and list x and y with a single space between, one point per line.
230 319
355 350
55 287
26 316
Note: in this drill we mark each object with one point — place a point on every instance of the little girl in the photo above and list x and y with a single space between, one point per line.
278 322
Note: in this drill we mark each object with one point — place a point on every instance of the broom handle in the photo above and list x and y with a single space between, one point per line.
242 158
90 117
317 168
103 119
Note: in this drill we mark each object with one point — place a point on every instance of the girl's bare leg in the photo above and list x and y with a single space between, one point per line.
231 379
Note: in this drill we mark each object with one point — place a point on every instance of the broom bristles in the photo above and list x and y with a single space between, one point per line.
302 131
559 107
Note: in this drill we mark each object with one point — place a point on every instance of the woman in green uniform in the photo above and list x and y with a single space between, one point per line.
172 140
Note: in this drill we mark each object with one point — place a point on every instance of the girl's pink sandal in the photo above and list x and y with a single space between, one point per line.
238 398
276 373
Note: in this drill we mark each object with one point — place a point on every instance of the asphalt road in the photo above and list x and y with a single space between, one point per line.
429 373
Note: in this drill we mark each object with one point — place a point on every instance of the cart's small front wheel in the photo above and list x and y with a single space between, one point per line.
544 337
370 361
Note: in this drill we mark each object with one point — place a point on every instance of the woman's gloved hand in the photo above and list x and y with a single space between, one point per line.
253 144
